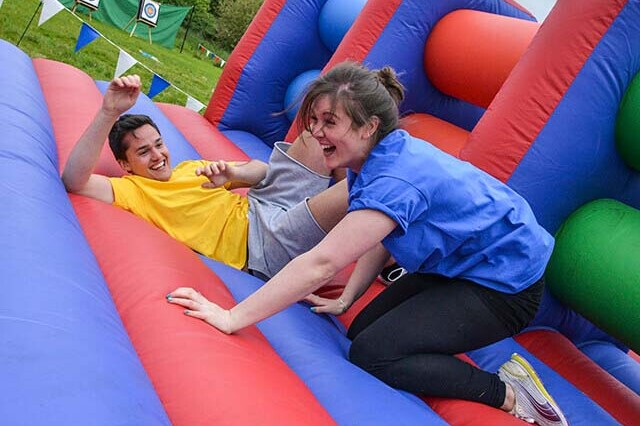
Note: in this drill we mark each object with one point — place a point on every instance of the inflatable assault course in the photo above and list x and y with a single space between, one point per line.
553 110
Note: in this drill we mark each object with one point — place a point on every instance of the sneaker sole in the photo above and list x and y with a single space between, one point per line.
534 376
524 364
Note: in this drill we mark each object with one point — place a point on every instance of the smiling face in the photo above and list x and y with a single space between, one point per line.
342 144
146 154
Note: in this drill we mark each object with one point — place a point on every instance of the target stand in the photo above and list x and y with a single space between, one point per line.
92 5
148 12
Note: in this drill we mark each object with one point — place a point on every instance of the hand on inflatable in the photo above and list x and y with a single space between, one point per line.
218 172
322 305
121 94
197 306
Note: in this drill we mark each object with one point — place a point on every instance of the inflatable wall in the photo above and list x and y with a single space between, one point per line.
88 338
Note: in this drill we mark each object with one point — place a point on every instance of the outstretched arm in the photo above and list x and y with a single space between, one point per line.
365 272
354 236
240 175
78 174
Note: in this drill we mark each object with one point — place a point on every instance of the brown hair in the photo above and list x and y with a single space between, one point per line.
361 92
126 124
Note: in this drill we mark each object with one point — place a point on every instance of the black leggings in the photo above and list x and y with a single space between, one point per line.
409 334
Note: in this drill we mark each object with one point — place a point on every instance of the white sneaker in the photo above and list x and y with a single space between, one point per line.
533 404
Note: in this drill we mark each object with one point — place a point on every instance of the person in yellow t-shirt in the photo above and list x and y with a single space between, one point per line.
289 208
213 222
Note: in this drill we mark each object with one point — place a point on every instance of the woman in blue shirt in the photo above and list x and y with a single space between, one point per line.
472 246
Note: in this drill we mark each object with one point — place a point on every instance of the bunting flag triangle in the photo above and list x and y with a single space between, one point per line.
86 36
49 9
125 61
158 84
194 104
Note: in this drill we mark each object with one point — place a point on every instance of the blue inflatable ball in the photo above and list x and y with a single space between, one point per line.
295 92
336 17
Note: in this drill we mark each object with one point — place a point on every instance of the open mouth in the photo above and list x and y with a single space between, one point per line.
159 166
328 149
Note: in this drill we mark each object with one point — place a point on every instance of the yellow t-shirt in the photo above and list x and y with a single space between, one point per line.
213 222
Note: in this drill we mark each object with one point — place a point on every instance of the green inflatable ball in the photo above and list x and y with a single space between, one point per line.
595 267
628 125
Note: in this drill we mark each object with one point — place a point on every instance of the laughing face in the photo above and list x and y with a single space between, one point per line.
342 145
146 154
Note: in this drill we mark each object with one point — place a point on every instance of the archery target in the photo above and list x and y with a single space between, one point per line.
148 12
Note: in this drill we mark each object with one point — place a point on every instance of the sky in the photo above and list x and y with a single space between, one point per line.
539 8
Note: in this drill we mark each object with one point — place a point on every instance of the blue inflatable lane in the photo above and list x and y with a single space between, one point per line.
67 359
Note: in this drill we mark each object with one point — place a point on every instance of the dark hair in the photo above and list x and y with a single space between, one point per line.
363 94
127 123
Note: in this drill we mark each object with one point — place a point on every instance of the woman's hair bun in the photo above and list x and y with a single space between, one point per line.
389 79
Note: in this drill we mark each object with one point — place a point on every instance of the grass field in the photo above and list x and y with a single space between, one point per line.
189 71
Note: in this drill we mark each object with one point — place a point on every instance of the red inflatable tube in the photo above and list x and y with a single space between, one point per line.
73 101
469 54
446 136
202 376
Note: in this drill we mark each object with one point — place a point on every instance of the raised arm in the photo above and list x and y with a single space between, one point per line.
78 174
355 235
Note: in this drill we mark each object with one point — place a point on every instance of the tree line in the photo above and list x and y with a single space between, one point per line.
221 22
